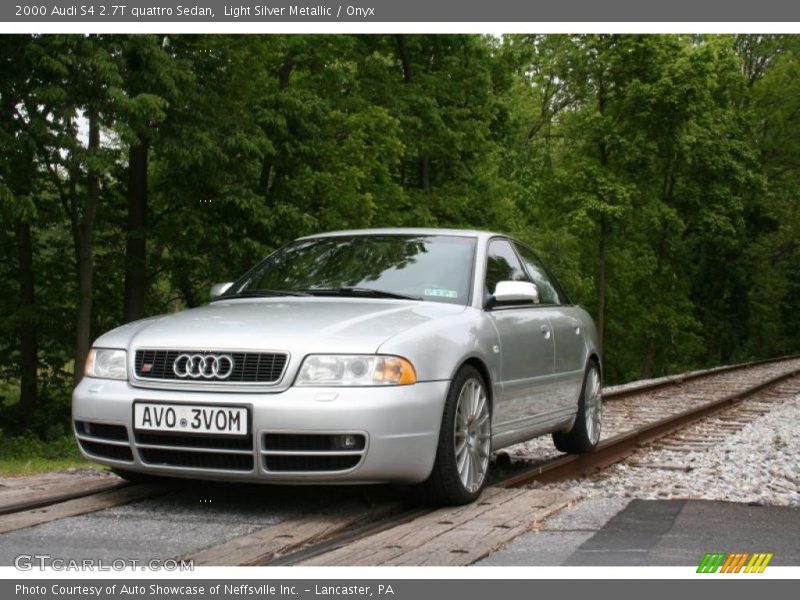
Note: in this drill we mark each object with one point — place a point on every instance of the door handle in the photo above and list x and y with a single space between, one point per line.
546 331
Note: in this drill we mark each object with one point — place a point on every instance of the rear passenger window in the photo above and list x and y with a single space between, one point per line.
547 291
502 264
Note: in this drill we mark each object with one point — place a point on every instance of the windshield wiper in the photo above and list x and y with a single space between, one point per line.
359 291
261 294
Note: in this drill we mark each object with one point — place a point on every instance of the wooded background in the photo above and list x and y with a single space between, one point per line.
657 175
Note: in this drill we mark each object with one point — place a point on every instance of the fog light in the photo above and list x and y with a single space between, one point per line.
345 442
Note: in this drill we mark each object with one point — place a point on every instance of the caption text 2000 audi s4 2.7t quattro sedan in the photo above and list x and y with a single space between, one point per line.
386 355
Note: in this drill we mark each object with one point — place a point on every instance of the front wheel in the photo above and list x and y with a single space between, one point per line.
585 433
465 442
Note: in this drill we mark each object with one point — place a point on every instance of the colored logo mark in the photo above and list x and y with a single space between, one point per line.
734 563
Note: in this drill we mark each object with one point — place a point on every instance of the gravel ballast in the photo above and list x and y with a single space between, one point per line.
758 464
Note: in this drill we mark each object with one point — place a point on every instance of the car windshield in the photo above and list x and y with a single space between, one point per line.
436 268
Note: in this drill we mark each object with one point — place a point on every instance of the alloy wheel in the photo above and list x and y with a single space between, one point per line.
472 436
593 403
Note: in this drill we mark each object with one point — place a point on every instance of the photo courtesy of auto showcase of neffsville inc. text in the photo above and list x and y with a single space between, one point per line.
397 298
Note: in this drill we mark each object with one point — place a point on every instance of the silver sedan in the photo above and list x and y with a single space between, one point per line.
385 355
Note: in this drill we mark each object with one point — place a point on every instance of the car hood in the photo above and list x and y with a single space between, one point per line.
296 325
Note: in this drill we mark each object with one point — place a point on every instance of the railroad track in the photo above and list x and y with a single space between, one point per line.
635 415
622 391
46 505
629 408
620 445
673 404
47 491
676 451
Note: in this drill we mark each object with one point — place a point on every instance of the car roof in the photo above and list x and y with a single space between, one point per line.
407 231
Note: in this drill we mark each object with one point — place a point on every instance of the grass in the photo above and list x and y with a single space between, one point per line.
29 455
20 467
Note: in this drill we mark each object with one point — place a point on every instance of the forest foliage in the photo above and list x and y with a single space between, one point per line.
658 175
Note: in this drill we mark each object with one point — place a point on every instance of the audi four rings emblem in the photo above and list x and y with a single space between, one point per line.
207 366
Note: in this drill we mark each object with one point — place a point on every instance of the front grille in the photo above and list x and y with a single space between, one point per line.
295 463
195 441
308 442
219 452
106 450
199 460
248 367
102 430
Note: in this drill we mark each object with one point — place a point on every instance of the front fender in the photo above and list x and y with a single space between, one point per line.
437 349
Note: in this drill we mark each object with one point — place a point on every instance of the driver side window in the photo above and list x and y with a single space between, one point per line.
502 264
547 291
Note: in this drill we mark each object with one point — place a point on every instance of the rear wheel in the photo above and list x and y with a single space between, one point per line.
585 433
465 442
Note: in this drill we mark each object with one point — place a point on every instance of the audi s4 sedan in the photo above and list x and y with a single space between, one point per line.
369 356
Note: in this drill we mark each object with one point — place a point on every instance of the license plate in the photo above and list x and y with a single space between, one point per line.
190 418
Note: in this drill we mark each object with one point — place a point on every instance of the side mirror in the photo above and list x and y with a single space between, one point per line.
219 288
514 292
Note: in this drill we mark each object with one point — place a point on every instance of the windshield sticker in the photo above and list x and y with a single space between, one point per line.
440 293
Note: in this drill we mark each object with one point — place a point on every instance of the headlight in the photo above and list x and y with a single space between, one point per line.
341 369
106 363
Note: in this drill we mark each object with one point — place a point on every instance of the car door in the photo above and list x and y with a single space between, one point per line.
570 349
526 349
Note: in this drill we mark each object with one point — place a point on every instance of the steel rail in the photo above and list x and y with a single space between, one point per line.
49 500
620 446
674 380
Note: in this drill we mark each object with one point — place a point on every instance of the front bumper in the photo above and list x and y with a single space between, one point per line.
399 425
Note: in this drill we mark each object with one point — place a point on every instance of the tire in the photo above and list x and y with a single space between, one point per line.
467 416
585 433
136 477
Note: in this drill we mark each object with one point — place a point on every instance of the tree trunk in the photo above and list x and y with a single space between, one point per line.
29 360
648 360
136 242
424 174
405 57
423 164
601 285
22 166
602 227
285 72
85 259
265 178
